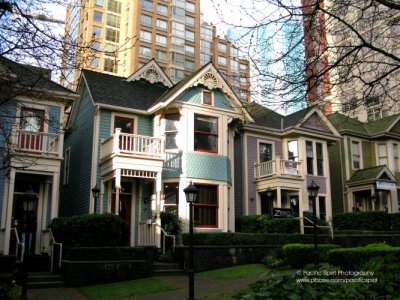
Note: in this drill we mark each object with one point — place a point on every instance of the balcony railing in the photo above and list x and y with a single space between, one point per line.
39 143
130 144
277 167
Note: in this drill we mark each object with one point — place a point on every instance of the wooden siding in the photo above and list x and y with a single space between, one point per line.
251 159
314 122
54 119
238 171
368 154
145 125
193 95
320 181
208 166
76 195
336 173
279 149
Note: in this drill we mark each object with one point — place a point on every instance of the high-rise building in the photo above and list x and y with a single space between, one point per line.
120 36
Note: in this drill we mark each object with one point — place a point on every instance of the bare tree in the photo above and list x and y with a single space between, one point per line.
350 59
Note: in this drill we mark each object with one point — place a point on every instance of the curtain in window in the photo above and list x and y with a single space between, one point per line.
206 207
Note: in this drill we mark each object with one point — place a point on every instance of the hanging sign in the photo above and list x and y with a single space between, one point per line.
383 185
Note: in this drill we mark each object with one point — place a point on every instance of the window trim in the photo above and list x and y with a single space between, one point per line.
261 141
211 93
202 132
123 116
176 205
379 157
175 131
197 204
359 154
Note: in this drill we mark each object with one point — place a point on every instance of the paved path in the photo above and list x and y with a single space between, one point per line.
203 287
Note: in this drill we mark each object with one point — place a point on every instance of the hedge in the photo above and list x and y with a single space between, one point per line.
298 255
91 230
368 220
105 253
7 263
355 258
264 224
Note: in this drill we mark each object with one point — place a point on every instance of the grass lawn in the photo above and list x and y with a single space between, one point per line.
126 289
236 272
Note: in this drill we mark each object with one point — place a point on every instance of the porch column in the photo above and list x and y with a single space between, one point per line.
117 189
158 207
278 197
101 195
10 199
55 196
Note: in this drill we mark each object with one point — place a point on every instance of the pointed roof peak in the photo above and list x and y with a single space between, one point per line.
152 73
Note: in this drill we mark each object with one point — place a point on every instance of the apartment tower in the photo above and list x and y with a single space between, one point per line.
119 36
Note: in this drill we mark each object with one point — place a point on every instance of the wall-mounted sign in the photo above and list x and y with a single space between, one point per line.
383 185
282 213
290 167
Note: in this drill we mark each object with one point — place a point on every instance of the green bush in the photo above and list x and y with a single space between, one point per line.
298 255
7 263
171 223
310 216
91 230
105 253
355 258
368 220
264 224
9 291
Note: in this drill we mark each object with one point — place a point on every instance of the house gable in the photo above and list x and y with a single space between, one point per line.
314 122
152 73
194 95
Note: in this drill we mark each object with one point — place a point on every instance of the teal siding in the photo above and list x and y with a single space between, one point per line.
193 95
75 196
145 125
208 166
172 167
105 125
7 119
54 119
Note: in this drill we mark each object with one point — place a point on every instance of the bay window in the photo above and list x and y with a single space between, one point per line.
171 130
264 152
355 154
205 134
320 159
206 206
382 155
310 158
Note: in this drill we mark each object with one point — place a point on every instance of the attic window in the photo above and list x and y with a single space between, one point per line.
207 97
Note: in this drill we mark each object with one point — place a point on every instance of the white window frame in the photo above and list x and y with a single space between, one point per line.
359 143
261 141
382 157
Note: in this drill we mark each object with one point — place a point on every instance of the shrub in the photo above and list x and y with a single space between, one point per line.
105 253
170 222
298 255
272 262
264 224
368 220
9 291
91 230
355 258
310 216
7 263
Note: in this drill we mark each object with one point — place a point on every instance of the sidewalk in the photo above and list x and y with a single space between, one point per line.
202 288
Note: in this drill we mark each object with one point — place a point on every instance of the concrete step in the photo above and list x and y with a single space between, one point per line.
167 269
38 280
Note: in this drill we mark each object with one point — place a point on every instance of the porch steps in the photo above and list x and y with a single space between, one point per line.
167 269
42 280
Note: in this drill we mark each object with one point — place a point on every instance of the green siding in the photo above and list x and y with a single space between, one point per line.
145 125
335 166
208 166
368 159
75 196
193 95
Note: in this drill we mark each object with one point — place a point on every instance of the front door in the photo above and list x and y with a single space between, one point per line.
125 206
266 205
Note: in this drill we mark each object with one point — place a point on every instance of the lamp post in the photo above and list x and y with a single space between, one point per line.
96 194
269 196
313 193
191 193
29 201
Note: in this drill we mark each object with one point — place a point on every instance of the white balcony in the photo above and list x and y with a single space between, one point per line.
36 143
277 168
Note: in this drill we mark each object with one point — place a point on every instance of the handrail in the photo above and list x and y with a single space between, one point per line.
52 243
165 234
17 244
319 226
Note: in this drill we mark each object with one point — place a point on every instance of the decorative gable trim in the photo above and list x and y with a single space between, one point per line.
152 73
324 121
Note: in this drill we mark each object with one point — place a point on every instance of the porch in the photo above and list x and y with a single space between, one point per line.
278 168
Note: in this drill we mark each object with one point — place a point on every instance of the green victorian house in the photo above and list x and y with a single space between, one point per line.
369 164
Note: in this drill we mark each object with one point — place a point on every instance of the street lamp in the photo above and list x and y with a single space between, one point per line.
96 194
191 193
313 193
29 201
269 196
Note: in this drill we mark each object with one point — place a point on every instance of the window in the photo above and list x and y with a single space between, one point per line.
96 31
110 65
310 157
190 7
94 62
189 65
189 35
32 121
113 20
177 44
190 21
207 97
125 124
372 100
293 151
396 157
67 159
355 153
145 20
178 28
145 36
189 50
206 33
264 152
222 47
234 66
171 197
144 52
320 159
176 75
243 94
206 206
373 114
178 12
161 55
382 154
205 134
95 46
204 58
162 9
177 59
109 49
243 81
234 52
322 208
205 46
146 4
161 40
99 3
112 35
114 6
222 60
98 16
161 24
171 130
243 68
